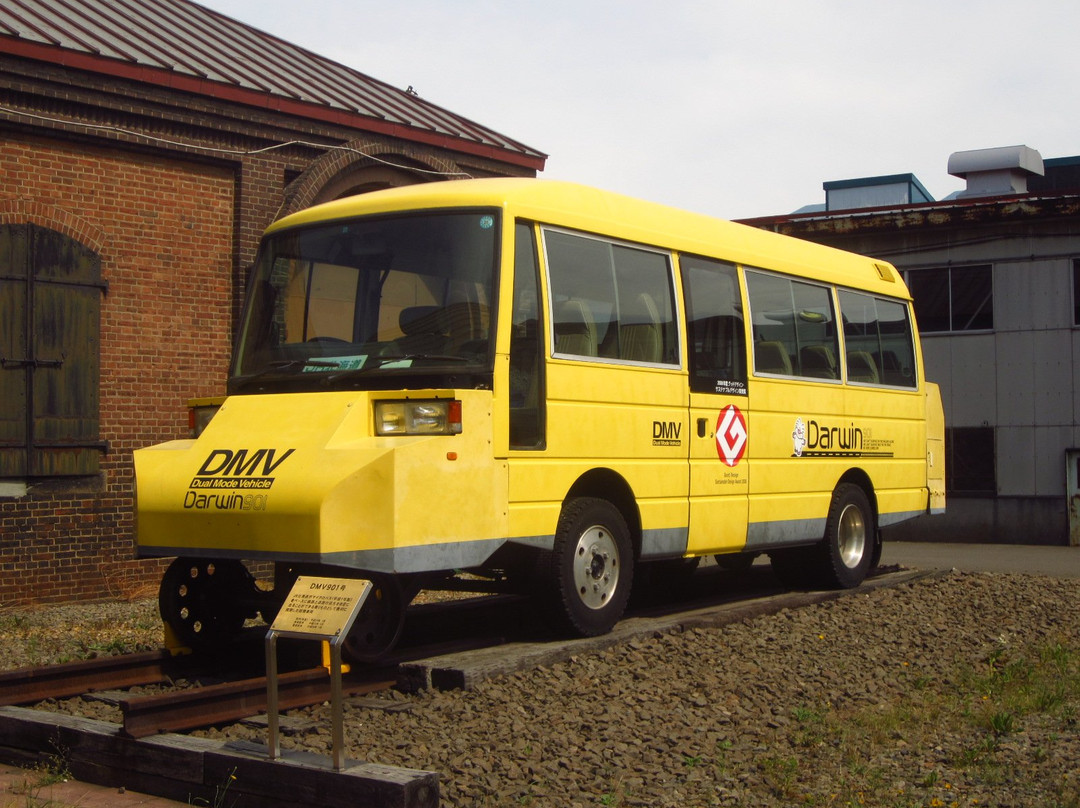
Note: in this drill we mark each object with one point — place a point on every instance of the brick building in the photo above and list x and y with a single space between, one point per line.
144 146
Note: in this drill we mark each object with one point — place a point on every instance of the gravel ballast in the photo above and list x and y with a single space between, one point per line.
957 690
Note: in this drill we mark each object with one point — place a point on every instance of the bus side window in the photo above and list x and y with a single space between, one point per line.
878 340
794 327
610 301
716 335
526 363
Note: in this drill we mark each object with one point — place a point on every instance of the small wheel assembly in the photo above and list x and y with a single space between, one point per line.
378 627
845 554
202 600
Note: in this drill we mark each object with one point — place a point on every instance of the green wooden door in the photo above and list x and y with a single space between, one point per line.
50 310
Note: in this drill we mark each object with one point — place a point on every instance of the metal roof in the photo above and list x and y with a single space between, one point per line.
183 46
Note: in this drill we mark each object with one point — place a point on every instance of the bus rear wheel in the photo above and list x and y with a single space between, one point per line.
847 551
591 567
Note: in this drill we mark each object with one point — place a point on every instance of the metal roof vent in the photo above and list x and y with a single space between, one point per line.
996 172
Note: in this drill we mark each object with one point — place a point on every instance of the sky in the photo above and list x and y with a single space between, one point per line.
734 109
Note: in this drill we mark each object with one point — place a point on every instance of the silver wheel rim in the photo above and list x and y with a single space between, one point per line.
596 567
851 536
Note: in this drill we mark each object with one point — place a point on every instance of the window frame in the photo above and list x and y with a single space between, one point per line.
971 436
737 385
910 331
830 291
527 377
670 331
950 304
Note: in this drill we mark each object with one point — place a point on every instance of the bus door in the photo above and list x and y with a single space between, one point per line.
719 420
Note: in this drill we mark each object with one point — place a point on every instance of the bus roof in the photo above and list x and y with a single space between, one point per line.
581 207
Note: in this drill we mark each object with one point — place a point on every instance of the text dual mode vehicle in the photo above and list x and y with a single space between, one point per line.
550 387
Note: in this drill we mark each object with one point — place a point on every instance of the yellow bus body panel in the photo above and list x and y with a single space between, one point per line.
607 417
301 477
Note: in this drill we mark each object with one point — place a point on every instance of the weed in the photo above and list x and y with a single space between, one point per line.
1002 723
220 793
979 753
780 774
112 648
53 770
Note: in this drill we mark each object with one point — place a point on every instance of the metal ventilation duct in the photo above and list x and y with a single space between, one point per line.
996 172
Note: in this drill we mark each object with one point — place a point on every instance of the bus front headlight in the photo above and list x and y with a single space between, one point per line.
420 417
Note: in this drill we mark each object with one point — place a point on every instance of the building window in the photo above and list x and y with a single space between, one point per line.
970 465
50 311
953 298
1076 292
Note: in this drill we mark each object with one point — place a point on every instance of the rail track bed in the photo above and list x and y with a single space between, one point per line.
442 649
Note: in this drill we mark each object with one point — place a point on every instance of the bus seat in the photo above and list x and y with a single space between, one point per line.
818 361
891 370
424 330
771 357
861 368
575 332
465 322
641 338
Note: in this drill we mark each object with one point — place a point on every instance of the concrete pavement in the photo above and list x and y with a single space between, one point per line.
19 787
1060 562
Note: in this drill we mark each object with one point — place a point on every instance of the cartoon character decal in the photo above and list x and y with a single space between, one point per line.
798 438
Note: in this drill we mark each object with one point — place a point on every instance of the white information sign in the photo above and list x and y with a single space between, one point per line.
321 607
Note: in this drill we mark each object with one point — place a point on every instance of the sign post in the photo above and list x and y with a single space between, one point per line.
315 609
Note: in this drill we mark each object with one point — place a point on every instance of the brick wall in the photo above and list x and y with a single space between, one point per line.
164 231
172 190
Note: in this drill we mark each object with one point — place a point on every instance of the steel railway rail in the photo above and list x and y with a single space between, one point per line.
447 631
437 629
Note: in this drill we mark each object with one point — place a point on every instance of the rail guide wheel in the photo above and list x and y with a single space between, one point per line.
378 627
200 600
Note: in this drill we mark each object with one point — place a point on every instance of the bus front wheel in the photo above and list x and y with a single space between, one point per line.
591 568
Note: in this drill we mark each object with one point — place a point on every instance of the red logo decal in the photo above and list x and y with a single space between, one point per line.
731 435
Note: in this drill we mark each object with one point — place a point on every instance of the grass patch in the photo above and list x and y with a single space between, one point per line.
951 731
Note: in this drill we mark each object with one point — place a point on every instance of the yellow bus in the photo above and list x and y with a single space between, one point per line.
548 386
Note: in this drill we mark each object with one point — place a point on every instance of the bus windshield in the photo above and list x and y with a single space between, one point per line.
382 302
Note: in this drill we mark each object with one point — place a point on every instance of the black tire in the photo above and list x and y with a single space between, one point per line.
201 600
846 553
378 627
591 567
